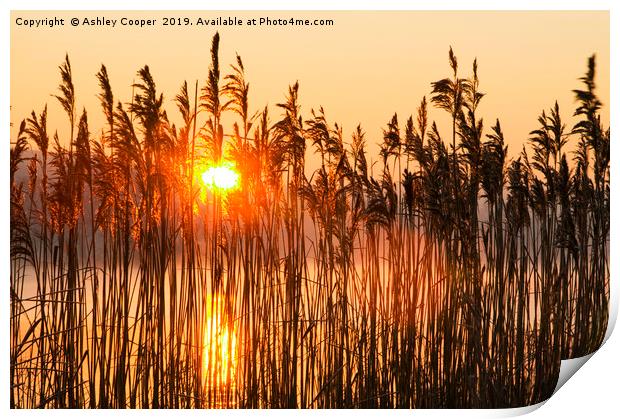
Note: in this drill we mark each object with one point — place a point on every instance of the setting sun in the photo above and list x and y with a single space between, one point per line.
222 177
394 210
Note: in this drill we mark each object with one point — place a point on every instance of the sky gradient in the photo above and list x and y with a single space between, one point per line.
362 69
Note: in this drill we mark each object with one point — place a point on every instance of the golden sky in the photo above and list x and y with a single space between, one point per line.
362 69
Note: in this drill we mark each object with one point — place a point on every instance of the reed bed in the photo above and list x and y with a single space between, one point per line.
439 274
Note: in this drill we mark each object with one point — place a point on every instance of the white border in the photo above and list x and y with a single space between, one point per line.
592 392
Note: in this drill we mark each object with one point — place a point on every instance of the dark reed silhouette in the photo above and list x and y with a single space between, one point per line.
451 277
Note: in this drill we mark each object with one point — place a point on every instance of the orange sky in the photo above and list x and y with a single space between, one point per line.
361 70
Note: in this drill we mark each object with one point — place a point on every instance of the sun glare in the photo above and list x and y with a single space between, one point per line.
219 348
222 177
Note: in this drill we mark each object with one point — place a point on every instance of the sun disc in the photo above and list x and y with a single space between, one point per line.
222 177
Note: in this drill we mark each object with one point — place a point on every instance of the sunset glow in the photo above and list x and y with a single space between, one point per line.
219 347
222 177
398 210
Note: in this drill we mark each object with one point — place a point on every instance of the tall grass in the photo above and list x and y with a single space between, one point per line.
453 277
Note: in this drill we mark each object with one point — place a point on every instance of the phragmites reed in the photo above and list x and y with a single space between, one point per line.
447 275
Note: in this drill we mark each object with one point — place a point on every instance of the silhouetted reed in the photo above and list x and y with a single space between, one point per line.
452 277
